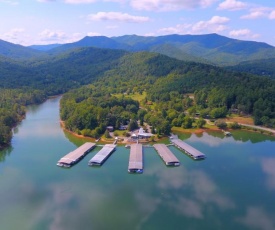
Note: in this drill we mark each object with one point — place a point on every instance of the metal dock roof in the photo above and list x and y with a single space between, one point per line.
194 153
102 155
165 153
136 157
77 154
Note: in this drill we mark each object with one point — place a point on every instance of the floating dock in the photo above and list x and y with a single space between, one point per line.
102 155
189 150
167 156
136 159
73 157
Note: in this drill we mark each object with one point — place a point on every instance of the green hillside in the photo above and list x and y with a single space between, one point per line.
265 67
166 80
14 51
211 47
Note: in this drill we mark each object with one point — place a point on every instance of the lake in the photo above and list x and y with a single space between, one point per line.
233 188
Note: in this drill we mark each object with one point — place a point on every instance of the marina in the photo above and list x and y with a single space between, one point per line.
73 157
167 156
136 159
188 149
102 155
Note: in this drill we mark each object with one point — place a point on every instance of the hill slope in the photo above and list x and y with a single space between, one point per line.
265 67
97 41
208 48
11 50
212 47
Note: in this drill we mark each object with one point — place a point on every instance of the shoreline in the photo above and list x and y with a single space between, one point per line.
195 131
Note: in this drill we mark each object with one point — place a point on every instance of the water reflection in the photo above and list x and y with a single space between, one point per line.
211 140
201 189
214 138
268 166
257 218
4 153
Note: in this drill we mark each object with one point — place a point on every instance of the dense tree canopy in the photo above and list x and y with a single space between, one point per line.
166 82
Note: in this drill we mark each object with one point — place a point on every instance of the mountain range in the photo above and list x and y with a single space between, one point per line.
213 49
160 66
210 48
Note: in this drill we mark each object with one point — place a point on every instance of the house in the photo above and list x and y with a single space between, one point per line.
143 135
110 128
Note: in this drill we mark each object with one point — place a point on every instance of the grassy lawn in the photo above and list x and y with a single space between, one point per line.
239 119
135 96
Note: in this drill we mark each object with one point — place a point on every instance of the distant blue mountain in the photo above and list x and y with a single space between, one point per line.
209 48
44 47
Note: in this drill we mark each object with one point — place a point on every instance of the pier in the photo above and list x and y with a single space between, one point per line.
167 156
136 159
102 155
188 149
73 157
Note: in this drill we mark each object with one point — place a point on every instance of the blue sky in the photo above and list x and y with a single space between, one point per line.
31 22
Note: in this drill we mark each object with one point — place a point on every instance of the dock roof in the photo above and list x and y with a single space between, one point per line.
103 154
77 153
196 154
136 157
166 153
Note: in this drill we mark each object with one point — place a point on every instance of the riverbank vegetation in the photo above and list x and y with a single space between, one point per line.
161 85
12 109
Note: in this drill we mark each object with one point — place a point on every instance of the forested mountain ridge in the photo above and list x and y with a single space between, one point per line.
165 80
96 41
264 67
14 51
208 48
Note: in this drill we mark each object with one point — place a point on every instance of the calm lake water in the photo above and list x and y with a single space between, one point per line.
233 188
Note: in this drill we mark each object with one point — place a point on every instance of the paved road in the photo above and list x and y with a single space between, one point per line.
251 126
259 127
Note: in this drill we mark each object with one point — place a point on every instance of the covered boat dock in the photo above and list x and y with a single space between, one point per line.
102 155
167 156
136 159
73 157
188 149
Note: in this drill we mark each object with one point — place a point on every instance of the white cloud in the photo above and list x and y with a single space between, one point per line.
215 24
52 36
9 2
272 15
242 33
169 5
111 27
178 29
14 33
117 16
232 5
92 34
260 12
79 1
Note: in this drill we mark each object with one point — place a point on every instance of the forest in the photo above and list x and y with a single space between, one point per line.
12 109
104 72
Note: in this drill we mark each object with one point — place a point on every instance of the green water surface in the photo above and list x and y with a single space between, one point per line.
233 188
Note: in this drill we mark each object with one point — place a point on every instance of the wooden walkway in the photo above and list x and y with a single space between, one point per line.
102 155
136 159
167 156
73 157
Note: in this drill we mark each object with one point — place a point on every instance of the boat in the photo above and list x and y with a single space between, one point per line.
63 165
135 170
227 134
